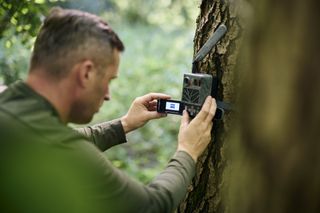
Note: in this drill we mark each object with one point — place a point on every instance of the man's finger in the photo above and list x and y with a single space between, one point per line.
212 111
210 126
155 115
153 96
185 118
152 108
202 115
153 103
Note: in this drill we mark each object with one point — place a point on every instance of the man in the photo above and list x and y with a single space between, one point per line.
75 57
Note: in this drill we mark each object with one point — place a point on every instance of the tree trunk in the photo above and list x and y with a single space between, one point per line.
273 149
205 193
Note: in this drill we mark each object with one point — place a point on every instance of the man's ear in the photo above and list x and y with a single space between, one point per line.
84 72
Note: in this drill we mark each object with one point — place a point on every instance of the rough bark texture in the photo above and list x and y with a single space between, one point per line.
273 156
205 193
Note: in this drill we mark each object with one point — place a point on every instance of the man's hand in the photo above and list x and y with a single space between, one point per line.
142 110
195 136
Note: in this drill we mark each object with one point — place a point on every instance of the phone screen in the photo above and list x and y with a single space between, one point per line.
172 106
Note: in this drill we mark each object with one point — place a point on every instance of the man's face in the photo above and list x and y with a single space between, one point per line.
96 93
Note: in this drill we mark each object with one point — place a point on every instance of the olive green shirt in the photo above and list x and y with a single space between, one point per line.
74 161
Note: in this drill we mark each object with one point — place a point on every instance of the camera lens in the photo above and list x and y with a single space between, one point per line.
195 82
186 80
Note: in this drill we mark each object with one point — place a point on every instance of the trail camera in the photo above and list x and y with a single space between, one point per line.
196 87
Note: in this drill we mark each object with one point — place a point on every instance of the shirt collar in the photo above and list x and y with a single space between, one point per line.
26 89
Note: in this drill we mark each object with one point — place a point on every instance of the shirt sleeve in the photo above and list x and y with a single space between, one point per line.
120 193
105 135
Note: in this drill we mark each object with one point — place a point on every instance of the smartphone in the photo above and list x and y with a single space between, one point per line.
170 106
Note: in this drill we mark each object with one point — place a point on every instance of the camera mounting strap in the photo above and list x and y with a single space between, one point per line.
224 106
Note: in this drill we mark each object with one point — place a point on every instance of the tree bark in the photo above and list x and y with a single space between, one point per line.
272 162
205 194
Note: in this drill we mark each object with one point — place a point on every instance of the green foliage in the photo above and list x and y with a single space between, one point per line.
13 60
165 13
19 23
21 17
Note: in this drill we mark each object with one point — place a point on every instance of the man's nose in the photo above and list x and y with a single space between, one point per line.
107 97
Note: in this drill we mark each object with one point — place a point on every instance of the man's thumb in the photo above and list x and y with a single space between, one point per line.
185 118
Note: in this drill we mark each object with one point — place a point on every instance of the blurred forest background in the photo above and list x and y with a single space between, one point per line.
158 36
